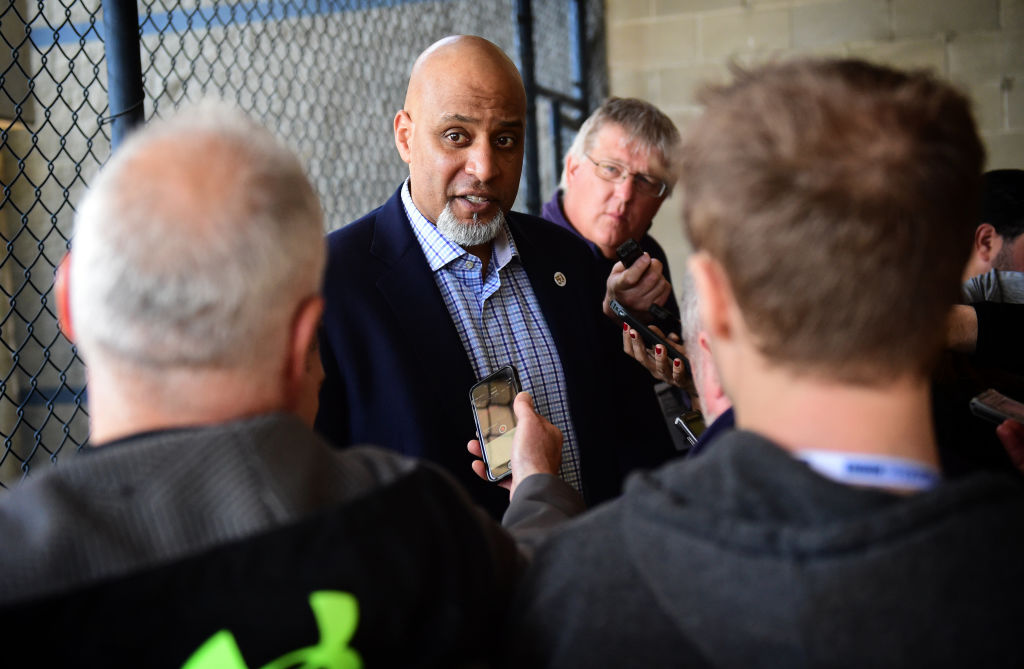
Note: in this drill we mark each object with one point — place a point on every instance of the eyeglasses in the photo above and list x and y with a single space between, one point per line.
645 184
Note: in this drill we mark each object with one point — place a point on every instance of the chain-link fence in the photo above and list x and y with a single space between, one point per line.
325 75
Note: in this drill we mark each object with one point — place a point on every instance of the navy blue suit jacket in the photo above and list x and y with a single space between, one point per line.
398 376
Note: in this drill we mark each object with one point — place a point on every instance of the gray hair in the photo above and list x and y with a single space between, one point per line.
689 312
195 245
645 123
689 318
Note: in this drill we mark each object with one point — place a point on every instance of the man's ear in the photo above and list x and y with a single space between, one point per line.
403 134
987 243
572 166
62 294
704 343
714 295
712 384
303 332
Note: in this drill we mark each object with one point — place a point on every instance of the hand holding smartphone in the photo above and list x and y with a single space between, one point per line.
649 336
491 399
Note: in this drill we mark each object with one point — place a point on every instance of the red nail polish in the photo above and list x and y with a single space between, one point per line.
625 327
632 335
657 350
677 362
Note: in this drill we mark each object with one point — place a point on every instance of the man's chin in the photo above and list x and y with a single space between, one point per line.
471 230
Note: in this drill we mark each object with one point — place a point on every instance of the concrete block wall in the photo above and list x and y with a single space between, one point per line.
662 50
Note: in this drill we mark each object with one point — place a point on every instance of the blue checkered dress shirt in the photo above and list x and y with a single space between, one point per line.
500 322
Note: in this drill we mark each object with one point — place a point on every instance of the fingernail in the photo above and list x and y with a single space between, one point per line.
677 363
632 335
657 350
625 327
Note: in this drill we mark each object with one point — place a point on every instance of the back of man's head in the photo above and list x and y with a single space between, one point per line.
839 197
1002 202
646 125
194 247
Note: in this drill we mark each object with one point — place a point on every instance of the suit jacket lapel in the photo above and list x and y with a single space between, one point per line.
555 301
408 286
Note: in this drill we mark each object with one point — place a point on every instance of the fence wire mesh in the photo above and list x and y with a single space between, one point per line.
326 75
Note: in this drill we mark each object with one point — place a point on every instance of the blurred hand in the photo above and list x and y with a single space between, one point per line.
1011 433
962 329
638 287
536 446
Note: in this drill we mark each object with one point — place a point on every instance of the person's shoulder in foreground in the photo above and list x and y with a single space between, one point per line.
747 557
360 538
829 241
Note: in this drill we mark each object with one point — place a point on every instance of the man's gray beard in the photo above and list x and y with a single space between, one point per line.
473 234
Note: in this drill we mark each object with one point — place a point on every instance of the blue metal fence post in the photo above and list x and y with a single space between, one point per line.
124 68
555 128
578 52
524 18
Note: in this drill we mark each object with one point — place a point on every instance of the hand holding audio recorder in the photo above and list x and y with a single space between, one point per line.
629 252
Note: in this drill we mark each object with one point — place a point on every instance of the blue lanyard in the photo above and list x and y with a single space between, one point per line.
880 471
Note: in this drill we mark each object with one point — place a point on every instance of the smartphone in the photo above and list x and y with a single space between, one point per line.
994 406
649 336
691 424
492 399
629 252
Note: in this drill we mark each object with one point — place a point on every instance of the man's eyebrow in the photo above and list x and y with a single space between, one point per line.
461 118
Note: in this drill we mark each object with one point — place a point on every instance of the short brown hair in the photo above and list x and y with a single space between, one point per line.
839 197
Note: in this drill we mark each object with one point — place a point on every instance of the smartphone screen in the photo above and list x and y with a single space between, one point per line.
495 420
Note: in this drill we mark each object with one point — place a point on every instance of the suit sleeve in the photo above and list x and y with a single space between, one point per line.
542 502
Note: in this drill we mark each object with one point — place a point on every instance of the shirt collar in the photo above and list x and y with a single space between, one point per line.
441 251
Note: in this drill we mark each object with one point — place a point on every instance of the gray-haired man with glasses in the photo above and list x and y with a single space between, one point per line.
617 173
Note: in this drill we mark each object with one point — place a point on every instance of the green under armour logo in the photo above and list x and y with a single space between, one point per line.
336 613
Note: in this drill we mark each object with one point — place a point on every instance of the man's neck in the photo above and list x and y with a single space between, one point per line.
566 206
124 405
800 413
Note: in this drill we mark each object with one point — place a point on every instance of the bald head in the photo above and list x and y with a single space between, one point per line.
462 128
465 59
